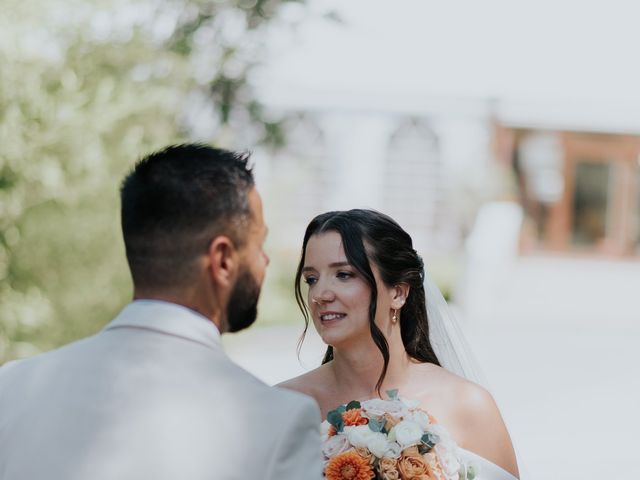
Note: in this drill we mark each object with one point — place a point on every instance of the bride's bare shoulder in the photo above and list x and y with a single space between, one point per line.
439 383
461 393
312 383
467 403
474 418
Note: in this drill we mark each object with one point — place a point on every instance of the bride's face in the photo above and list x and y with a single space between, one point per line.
338 296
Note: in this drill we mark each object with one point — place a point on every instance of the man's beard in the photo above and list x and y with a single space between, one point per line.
243 303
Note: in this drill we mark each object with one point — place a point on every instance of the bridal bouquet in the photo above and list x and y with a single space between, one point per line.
389 440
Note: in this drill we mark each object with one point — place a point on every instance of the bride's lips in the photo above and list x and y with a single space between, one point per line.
327 318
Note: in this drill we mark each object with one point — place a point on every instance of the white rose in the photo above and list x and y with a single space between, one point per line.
448 459
409 403
394 450
324 430
420 417
407 433
378 444
359 435
376 408
440 432
334 445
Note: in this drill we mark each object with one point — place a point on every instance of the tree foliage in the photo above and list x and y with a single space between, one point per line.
86 87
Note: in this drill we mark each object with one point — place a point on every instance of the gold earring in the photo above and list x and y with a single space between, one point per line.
394 318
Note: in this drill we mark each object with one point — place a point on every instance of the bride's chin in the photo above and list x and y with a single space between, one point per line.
336 339
331 338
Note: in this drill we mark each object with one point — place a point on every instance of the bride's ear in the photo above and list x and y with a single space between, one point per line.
399 294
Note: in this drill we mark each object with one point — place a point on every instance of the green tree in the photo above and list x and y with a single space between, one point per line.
86 87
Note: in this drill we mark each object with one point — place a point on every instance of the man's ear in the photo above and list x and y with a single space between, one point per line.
223 260
399 294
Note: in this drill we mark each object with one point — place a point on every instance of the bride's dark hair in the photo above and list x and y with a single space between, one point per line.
367 236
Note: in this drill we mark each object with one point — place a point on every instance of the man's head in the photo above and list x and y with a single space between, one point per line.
193 230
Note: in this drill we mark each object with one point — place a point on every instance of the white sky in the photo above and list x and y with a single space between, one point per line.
525 50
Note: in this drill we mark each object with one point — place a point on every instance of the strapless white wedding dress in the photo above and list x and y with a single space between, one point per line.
486 469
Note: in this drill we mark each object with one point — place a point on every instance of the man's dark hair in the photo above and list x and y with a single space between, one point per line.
174 202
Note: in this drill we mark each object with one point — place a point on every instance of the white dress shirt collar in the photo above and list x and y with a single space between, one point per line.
169 318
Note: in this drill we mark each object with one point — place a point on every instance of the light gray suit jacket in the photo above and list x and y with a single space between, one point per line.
153 396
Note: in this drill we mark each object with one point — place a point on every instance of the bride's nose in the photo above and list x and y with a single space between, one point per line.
325 296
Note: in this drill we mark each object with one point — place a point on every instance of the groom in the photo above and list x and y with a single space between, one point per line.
154 396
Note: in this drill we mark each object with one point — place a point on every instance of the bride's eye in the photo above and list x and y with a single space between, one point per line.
344 275
310 280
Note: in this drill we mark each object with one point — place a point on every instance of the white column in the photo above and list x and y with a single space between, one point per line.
465 151
465 146
357 146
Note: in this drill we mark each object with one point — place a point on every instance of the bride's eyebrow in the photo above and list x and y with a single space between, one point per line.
331 265
339 264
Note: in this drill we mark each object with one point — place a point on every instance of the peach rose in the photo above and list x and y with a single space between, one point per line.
366 454
435 470
411 452
388 469
390 421
413 467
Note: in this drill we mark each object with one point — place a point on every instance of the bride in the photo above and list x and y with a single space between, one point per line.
367 301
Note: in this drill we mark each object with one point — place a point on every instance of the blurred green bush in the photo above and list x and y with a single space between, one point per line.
86 88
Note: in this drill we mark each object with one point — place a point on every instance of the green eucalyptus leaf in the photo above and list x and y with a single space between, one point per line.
429 440
393 394
334 417
353 404
375 425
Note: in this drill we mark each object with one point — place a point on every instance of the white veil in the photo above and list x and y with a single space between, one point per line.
450 344
447 337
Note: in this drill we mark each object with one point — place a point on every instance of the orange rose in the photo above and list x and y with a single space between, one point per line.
353 418
413 467
388 469
332 431
348 466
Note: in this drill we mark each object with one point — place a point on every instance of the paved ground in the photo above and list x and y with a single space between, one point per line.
561 354
570 395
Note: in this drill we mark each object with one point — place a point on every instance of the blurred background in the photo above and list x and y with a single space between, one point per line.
504 136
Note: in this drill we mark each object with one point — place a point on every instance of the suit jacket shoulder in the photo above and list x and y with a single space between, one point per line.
157 400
